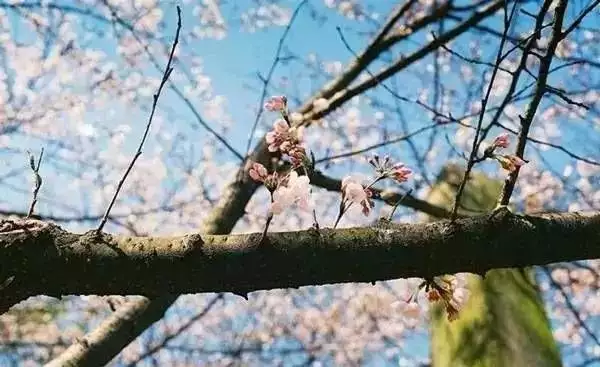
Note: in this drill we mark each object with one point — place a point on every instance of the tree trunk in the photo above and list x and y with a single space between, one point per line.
503 323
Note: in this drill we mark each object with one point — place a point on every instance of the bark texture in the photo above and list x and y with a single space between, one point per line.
49 260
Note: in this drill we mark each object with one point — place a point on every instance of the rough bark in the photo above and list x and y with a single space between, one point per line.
54 262
504 322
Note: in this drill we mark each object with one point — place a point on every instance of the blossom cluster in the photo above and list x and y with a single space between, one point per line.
292 188
285 138
450 290
287 189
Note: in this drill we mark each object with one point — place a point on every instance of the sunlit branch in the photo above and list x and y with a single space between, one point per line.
404 62
43 259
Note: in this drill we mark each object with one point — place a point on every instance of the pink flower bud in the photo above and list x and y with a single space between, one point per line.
276 103
280 126
401 173
257 171
501 141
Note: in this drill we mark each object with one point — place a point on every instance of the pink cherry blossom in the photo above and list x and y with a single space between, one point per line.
280 136
354 192
257 171
276 103
295 192
501 141
287 140
385 168
400 173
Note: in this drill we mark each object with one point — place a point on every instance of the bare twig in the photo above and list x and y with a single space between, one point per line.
473 156
510 95
165 78
37 178
178 91
540 89
583 14
398 203
402 63
561 94
378 145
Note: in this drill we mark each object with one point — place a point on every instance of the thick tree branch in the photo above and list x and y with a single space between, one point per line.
51 261
348 93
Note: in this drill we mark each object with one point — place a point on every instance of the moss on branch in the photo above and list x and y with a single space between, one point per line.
49 260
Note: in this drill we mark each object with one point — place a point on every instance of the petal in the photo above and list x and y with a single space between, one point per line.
270 138
280 126
304 203
260 169
276 207
254 175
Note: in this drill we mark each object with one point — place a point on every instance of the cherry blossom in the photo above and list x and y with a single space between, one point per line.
276 103
95 82
385 168
354 193
257 171
283 137
295 192
501 141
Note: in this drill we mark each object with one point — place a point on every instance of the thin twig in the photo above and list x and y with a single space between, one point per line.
510 95
398 203
181 329
266 81
165 78
473 156
378 145
561 94
37 178
583 14
540 90
178 91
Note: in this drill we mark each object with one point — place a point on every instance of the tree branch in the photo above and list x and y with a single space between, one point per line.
114 333
54 262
